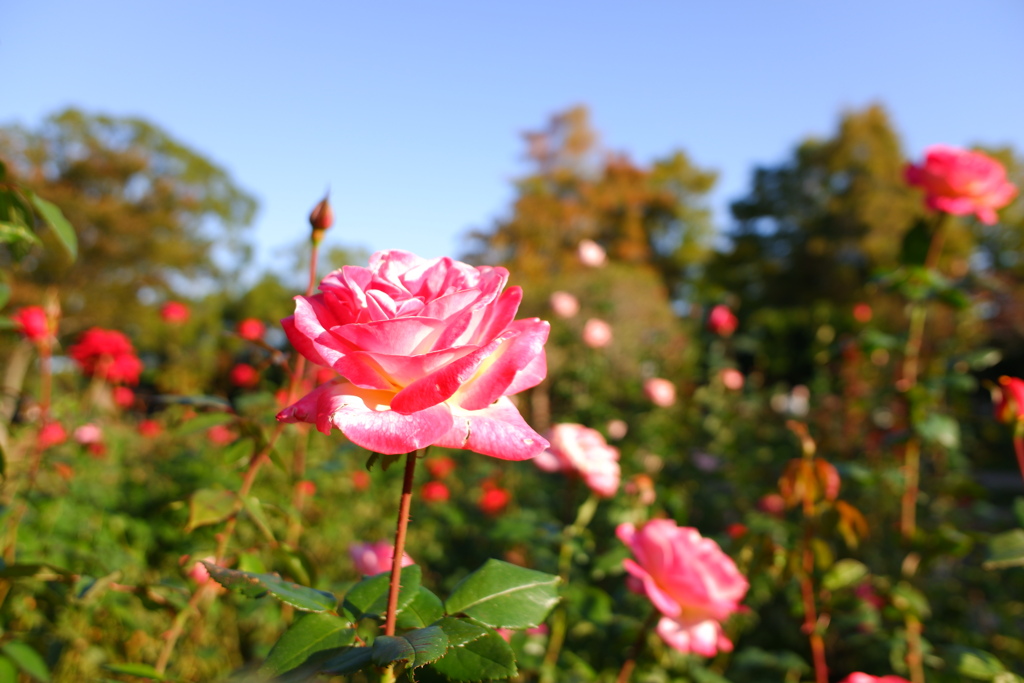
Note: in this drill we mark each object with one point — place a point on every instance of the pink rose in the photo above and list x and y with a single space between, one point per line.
427 352
722 321
576 449
591 253
33 323
961 182
88 434
661 391
689 579
108 354
617 429
371 559
564 304
597 333
732 379
1009 399
51 434
174 312
865 678
251 329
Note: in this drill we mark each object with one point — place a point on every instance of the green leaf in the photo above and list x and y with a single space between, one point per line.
369 597
1006 550
254 508
419 647
386 461
460 631
258 585
916 241
209 506
844 573
310 634
487 656
27 659
12 233
201 423
425 609
5 294
349 662
60 226
139 670
908 599
500 594
977 664
8 672
939 429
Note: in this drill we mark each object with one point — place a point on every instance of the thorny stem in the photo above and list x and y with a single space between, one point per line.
559 622
634 651
403 524
807 593
388 675
912 450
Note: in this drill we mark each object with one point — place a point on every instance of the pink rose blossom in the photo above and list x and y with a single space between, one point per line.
87 434
33 323
51 434
865 678
221 435
174 312
564 304
494 499
690 581
251 329
591 253
371 559
576 449
961 182
124 397
597 333
150 428
661 391
617 429
722 321
732 379
428 353
198 572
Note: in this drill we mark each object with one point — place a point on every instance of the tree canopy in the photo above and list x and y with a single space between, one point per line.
149 212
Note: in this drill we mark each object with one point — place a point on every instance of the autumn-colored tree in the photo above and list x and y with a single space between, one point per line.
149 211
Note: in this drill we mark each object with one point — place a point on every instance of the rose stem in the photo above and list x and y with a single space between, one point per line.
403 524
558 626
634 651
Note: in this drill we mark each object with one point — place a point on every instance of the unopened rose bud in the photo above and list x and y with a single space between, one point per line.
321 218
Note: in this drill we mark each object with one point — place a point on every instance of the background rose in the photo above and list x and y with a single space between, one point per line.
108 354
961 182
722 321
866 678
33 323
689 579
581 450
371 559
661 391
428 352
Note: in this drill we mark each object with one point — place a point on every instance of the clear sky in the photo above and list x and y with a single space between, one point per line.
411 112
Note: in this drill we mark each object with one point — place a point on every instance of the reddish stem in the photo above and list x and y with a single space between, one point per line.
1018 446
403 524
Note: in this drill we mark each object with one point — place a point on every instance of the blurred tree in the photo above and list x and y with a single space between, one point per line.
150 214
812 230
656 216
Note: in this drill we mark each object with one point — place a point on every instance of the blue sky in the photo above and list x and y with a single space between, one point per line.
411 112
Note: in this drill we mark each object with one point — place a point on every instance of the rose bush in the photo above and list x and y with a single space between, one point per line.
961 182
576 449
688 579
428 352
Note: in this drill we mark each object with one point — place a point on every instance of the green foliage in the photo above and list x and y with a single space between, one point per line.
500 594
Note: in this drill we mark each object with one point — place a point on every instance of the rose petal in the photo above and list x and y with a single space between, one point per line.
515 362
498 430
